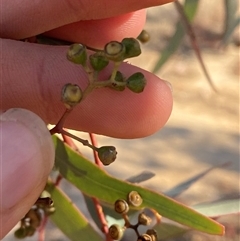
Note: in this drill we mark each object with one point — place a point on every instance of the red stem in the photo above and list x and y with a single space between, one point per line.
95 154
41 230
97 204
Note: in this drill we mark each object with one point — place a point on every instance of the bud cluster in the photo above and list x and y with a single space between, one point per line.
121 206
32 220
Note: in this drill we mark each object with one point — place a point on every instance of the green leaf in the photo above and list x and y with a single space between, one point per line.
69 219
141 177
190 8
231 19
166 231
177 190
95 182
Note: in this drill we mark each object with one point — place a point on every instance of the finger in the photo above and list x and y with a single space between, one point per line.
41 16
26 160
34 76
96 33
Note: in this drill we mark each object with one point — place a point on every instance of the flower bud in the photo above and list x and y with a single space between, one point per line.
119 83
121 206
116 232
114 51
132 47
71 95
134 199
144 36
107 154
143 219
136 82
153 234
144 237
35 217
98 61
20 233
44 202
49 211
77 54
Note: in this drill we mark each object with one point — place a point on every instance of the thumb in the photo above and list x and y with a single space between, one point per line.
27 155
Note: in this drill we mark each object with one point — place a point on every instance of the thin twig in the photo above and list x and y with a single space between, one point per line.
41 230
95 154
84 142
193 40
97 204
58 127
68 140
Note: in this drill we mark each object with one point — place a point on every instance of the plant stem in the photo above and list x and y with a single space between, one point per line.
41 230
84 142
97 204
115 69
59 126
95 154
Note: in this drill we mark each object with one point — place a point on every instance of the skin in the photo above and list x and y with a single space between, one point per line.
32 76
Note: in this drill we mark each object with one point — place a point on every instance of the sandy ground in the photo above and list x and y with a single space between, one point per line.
203 130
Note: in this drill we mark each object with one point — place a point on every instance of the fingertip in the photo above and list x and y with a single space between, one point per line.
27 159
96 33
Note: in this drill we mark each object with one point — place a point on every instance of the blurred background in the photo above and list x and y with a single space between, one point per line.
203 130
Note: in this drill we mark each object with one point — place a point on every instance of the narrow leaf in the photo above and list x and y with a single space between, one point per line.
177 190
231 19
166 231
190 8
95 182
69 219
141 177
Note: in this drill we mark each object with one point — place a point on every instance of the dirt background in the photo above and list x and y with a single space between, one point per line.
203 130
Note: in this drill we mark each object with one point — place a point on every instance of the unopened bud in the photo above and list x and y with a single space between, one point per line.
145 237
132 47
153 234
144 36
98 61
143 219
116 232
136 82
20 233
107 154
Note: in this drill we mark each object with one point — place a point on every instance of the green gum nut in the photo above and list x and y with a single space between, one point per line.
107 154
77 54
98 61
71 95
20 233
119 83
132 46
144 36
114 51
136 82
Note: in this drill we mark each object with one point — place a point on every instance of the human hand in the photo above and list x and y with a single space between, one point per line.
27 155
33 75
